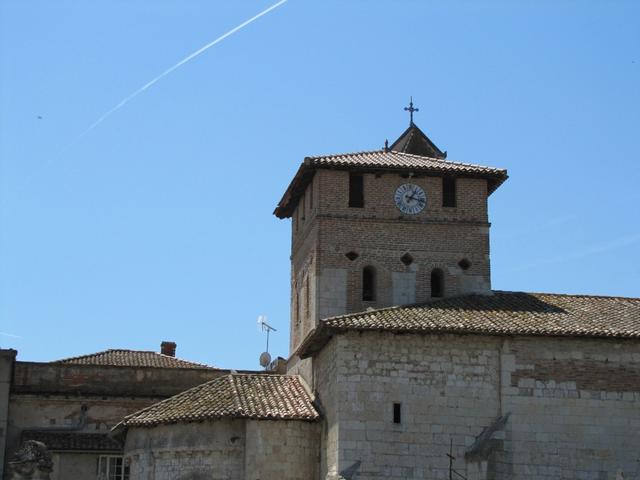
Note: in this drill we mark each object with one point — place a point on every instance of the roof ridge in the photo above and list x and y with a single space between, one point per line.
395 307
332 155
411 155
468 295
115 351
578 295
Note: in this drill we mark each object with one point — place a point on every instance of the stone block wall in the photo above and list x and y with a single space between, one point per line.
572 406
225 449
325 384
283 450
575 409
190 451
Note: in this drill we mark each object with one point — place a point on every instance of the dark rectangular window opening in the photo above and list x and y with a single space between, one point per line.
448 192
397 413
356 190
368 284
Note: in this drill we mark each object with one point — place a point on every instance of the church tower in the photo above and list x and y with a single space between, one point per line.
395 226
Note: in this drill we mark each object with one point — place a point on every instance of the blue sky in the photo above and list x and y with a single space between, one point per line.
157 224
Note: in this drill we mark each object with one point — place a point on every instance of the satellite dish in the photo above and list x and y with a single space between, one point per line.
265 359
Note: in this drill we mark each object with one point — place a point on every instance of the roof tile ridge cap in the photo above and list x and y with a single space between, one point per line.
345 154
171 399
574 295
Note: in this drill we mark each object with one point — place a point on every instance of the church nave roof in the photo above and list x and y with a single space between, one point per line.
502 313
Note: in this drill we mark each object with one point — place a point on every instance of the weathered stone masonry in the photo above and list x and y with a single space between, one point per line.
573 405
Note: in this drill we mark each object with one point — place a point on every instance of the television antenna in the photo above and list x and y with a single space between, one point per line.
263 326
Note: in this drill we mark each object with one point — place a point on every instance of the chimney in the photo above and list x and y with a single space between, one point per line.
168 348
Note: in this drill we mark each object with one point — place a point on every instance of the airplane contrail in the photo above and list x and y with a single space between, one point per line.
189 57
10 335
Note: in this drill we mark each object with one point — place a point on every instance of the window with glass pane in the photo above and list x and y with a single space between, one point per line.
112 467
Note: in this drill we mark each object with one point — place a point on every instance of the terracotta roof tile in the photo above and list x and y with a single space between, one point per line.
257 396
503 313
131 358
400 160
381 160
73 441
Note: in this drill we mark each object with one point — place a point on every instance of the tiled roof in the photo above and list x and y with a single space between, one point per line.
400 160
73 441
257 396
131 358
382 160
502 313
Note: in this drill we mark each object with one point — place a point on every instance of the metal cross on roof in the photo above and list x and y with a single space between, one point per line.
410 109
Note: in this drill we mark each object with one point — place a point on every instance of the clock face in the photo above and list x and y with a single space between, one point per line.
410 198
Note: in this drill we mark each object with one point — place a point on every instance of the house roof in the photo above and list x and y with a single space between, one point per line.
381 160
256 396
502 313
131 358
73 441
413 140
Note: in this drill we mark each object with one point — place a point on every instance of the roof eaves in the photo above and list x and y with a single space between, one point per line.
494 176
303 176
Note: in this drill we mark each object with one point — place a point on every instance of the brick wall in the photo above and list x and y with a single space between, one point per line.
438 237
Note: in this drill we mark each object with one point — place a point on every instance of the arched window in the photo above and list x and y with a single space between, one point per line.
437 283
368 284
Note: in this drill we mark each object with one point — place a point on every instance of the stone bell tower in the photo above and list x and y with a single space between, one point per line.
386 227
